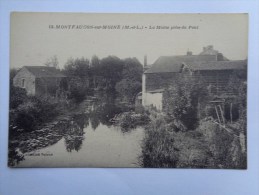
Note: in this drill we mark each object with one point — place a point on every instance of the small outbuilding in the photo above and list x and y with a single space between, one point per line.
39 80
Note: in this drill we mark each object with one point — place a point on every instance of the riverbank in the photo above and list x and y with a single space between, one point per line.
44 134
85 131
208 146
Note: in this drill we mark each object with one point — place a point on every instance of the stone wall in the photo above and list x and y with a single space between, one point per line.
154 99
47 86
160 80
29 81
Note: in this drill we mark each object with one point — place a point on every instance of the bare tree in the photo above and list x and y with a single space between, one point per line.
52 62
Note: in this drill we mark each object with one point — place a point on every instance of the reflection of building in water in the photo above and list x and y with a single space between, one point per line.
213 67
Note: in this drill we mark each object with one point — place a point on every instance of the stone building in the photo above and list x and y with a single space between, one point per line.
214 68
39 80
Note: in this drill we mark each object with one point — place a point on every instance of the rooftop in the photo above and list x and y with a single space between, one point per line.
208 59
174 63
44 71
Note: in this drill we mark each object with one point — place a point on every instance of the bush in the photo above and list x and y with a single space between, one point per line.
183 100
164 147
77 90
224 146
32 113
128 120
157 148
128 89
17 96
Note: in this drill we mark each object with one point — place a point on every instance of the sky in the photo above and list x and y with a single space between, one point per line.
36 37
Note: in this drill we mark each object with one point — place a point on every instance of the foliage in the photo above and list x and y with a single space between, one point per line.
77 90
224 146
111 67
132 69
79 67
207 147
95 70
29 112
130 85
17 96
128 89
131 119
238 86
78 72
95 65
164 147
52 62
193 152
74 132
182 101
157 148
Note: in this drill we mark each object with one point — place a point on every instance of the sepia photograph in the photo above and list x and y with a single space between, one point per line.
128 90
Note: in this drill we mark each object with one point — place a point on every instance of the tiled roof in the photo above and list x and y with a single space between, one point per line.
220 65
44 71
194 62
174 63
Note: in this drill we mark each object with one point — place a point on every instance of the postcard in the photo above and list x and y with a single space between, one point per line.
128 90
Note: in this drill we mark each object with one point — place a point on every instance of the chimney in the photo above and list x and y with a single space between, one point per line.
145 61
210 47
220 57
189 53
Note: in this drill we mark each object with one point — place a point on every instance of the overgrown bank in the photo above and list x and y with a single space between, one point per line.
192 132
208 146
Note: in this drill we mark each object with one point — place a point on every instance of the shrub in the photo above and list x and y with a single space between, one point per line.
77 90
17 96
32 113
128 120
183 100
164 147
157 148
128 89
224 146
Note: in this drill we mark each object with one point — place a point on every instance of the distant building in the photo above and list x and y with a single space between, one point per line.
212 66
39 80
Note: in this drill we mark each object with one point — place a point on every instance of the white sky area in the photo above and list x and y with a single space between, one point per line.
33 42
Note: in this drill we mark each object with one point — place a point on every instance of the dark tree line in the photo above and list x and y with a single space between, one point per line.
110 75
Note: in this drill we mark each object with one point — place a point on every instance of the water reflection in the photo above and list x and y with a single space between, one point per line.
103 113
72 130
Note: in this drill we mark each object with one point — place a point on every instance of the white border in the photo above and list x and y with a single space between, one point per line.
132 181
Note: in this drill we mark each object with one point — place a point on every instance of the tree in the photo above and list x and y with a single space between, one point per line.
183 100
132 69
78 72
111 67
17 96
52 62
128 89
79 67
130 85
95 70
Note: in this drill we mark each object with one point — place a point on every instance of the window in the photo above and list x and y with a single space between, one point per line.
23 83
57 82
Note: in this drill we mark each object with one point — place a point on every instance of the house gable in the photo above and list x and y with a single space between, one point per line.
38 80
25 79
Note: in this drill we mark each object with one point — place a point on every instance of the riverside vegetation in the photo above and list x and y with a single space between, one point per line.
187 134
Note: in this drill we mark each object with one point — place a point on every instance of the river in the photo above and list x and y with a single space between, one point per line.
85 140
